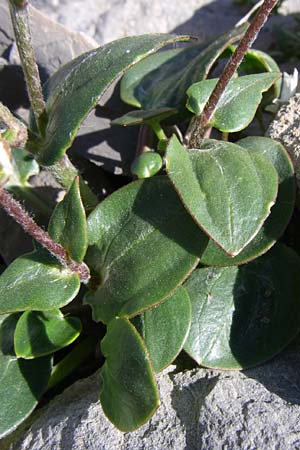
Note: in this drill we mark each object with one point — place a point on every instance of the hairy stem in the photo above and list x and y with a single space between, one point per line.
200 123
20 22
16 211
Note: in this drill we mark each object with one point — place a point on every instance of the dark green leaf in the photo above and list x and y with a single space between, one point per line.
238 104
141 116
40 333
146 165
22 382
162 79
143 244
281 212
36 281
164 329
68 223
244 315
227 189
78 86
129 395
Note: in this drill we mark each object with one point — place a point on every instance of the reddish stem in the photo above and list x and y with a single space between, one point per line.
16 211
200 123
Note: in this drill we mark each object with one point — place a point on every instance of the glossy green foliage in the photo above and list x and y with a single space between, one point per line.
40 333
138 117
68 223
36 281
78 86
243 316
143 244
227 189
281 212
238 104
164 329
162 79
22 382
146 165
129 395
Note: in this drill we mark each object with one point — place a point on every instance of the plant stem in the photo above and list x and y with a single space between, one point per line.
16 211
200 123
19 130
20 22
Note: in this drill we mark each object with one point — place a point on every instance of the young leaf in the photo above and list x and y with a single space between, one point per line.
243 316
40 333
22 382
227 189
281 212
162 79
238 104
36 281
141 116
143 244
164 329
129 395
78 86
68 223
146 165
24 166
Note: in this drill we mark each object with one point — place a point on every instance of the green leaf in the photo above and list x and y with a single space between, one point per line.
40 333
129 395
141 116
227 189
238 104
162 79
36 281
164 329
146 165
243 316
281 212
22 382
68 223
143 245
24 166
78 86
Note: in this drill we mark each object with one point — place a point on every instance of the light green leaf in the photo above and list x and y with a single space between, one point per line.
243 316
227 189
146 164
22 382
36 281
238 104
129 395
24 166
68 223
40 333
138 117
143 244
78 86
281 212
164 328
162 79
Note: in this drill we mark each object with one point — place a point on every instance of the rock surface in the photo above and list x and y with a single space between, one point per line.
200 410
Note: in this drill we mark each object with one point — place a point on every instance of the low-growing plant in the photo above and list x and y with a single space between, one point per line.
183 257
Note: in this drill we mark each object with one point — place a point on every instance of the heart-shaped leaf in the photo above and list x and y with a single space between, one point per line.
68 223
281 212
227 189
164 329
22 382
36 281
238 104
244 315
141 116
78 86
129 395
143 244
40 333
162 79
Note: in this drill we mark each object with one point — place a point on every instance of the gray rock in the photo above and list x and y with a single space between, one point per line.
200 410
286 129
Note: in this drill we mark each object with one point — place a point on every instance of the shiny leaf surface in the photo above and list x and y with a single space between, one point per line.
129 395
